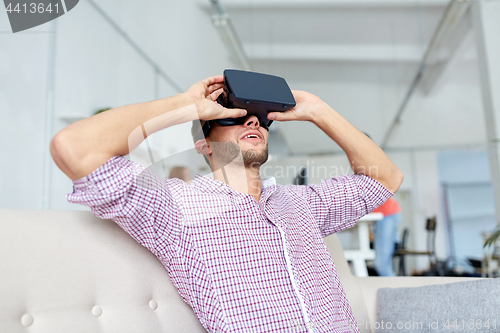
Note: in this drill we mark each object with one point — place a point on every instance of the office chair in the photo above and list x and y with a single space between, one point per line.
401 251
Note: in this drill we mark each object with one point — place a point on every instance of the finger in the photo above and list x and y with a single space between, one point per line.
298 94
214 87
230 113
212 80
209 110
281 116
213 96
234 113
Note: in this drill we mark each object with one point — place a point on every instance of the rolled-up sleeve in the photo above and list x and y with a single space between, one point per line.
135 198
338 203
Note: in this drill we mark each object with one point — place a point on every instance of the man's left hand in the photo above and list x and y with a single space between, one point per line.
308 106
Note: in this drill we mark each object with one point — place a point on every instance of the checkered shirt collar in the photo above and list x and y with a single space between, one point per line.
209 184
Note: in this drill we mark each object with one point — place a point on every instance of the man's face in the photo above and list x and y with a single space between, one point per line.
227 141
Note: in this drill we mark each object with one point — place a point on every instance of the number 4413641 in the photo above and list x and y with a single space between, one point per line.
32 8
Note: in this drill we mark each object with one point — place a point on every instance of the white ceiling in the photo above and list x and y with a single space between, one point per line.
361 57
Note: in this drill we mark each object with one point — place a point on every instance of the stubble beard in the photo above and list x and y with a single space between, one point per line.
252 158
226 152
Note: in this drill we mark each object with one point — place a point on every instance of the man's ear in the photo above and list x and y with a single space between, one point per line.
202 147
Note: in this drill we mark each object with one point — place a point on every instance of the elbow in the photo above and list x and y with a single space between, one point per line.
58 146
60 151
397 178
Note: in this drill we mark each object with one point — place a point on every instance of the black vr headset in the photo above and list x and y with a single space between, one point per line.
258 93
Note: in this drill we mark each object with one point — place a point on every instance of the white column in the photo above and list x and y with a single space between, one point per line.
486 18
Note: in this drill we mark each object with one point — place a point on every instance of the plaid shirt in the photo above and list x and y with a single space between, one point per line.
242 265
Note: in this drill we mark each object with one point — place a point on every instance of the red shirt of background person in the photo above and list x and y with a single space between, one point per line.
390 207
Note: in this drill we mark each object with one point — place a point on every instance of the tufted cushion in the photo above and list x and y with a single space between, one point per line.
434 308
72 272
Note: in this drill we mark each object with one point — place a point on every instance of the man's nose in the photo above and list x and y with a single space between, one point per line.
252 121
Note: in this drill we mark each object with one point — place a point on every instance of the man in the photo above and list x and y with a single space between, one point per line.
245 253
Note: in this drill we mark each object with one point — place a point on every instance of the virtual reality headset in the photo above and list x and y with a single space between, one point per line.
258 93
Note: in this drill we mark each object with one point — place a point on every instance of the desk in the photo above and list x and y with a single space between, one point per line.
359 256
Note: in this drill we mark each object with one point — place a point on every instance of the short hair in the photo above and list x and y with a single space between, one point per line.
197 134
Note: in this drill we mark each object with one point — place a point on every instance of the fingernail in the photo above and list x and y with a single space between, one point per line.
243 112
271 116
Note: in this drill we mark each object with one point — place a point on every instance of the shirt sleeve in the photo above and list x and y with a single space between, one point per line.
135 198
338 203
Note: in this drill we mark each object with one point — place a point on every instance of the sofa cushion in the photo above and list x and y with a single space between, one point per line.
69 271
456 307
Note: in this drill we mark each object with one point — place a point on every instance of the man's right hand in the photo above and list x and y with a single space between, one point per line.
204 95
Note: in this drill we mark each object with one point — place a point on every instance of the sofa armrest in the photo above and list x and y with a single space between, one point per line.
370 285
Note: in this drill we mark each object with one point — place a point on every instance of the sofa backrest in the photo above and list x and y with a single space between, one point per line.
69 271
351 284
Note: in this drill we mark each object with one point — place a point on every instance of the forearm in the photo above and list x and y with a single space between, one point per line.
85 145
364 155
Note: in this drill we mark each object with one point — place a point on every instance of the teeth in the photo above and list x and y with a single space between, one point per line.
251 136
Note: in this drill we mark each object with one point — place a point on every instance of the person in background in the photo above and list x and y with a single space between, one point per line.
180 172
386 236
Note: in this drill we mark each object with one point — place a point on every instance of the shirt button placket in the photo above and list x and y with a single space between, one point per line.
295 285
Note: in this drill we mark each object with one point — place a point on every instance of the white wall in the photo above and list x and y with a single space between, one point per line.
94 68
23 70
